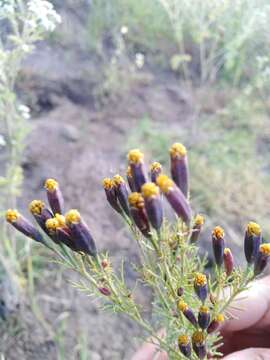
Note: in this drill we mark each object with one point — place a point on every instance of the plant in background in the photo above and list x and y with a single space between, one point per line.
22 23
188 303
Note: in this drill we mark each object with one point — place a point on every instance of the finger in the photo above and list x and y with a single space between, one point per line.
255 308
250 354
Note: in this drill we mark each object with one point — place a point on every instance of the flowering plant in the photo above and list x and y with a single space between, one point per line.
188 303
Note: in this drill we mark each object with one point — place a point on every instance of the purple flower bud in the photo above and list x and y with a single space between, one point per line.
40 213
135 158
262 259
198 344
155 171
187 312
200 286
215 324
228 261
153 204
184 345
180 291
104 291
23 225
54 196
130 180
138 213
175 197
218 244
196 230
203 317
121 192
252 241
80 233
179 167
110 192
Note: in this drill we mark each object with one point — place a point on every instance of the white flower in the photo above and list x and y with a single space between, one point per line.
25 111
124 30
2 141
139 60
43 15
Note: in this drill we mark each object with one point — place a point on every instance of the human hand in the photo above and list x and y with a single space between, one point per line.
247 337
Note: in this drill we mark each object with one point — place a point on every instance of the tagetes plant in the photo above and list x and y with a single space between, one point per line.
188 303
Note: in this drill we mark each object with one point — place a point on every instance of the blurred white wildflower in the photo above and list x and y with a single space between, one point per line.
44 15
7 8
124 30
24 111
139 60
2 141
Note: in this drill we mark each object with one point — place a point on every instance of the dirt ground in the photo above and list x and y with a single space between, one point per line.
78 144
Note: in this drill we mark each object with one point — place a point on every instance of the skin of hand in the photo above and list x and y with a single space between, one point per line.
246 337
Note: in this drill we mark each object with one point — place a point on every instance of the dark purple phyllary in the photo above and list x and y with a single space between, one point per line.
54 196
179 167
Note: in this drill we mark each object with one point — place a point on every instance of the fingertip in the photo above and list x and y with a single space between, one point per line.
251 354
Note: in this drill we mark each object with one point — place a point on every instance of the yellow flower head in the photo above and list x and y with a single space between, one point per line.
253 228
182 306
136 200
61 220
12 215
204 309
36 207
165 183
218 232
200 279
107 183
199 220
178 150
117 180
51 184
129 172
149 190
265 249
227 251
52 225
73 217
135 156
155 166
220 318
198 337
183 340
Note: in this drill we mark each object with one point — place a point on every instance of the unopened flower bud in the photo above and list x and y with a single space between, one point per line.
110 192
80 233
215 323
252 241
175 197
262 259
200 286
40 213
198 344
188 313
218 244
23 225
179 167
130 179
153 205
180 291
138 213
136 163
203 317
228 261
155 171
196 229
121 192
104 291
184 345
54 196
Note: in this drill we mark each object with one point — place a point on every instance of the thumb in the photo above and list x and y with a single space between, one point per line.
250 354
